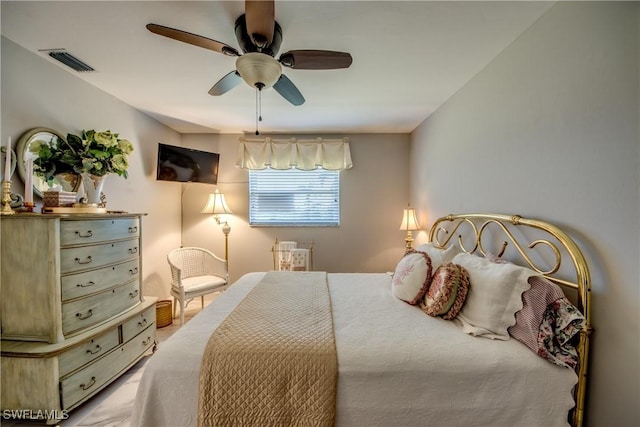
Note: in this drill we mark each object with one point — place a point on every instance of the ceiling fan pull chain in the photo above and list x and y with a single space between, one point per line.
260 104
257 112
259 87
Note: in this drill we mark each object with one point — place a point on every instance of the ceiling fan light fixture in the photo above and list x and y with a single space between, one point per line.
255 68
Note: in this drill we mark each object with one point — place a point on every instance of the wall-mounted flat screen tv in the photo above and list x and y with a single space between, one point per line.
182 164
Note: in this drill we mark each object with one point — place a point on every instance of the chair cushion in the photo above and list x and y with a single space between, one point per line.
200 283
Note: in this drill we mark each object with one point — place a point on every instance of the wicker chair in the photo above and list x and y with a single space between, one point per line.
195 272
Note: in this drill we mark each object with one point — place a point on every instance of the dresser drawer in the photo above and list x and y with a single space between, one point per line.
81 284
85 353
98 230
86 312
89 380
135 325
90 257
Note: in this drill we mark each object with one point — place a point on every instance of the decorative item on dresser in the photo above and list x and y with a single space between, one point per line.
83 160
95 155
73 315
6 181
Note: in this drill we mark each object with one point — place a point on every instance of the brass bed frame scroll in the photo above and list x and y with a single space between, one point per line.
472 229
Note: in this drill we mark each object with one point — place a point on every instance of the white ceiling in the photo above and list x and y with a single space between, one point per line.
408 57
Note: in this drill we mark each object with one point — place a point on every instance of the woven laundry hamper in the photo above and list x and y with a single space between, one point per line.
163 313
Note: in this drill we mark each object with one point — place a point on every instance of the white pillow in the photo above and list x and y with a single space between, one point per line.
438 256
412 277
495 295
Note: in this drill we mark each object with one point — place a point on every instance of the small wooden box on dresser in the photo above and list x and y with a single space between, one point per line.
73 315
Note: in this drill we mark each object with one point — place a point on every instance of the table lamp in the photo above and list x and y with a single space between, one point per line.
409 223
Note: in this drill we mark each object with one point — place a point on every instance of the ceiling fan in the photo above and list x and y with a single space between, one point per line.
259 37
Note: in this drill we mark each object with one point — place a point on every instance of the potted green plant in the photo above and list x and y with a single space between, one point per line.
92 155
54 162
100 153
96 155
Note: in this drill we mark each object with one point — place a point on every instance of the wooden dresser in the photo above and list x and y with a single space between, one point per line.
73 316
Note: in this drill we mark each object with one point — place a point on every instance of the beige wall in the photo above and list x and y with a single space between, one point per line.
37 93
550 129
373 194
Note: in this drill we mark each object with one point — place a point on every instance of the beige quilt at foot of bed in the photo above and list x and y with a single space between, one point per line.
273 362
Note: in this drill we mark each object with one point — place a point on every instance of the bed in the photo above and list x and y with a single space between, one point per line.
397 366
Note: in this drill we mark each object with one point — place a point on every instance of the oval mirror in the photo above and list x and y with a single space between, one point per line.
23 153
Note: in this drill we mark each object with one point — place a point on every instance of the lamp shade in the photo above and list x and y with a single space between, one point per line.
216 204
409 220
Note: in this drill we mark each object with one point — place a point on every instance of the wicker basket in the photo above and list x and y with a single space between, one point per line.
163 313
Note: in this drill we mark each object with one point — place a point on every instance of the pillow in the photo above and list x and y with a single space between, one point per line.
548 323
495 258
412 277
447 291
534 304
438 256
495 295
559 332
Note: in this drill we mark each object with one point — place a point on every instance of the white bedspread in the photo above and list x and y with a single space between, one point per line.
397 367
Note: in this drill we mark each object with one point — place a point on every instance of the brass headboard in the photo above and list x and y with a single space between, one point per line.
474 231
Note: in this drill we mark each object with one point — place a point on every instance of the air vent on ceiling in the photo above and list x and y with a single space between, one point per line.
70 61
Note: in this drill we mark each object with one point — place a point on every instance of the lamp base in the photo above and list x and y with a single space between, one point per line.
408 241
226 229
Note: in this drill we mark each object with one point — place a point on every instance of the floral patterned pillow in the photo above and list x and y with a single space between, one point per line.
447 292
412 277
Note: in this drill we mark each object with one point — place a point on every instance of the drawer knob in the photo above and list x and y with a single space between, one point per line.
87 233
146 342
133 229
85 316
97 350
87 261
133 271
133 250
88 386
134 294
143 323
85 285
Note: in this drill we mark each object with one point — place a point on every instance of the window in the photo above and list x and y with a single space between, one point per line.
294 197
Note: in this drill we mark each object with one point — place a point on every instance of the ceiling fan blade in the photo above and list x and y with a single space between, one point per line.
315 59
260 15
225 84
193 39
288 90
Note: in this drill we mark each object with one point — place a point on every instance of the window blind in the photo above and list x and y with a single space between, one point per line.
294 197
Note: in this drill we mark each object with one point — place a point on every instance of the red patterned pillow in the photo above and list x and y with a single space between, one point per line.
412 277
448 291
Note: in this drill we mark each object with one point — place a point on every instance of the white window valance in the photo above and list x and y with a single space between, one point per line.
303 154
